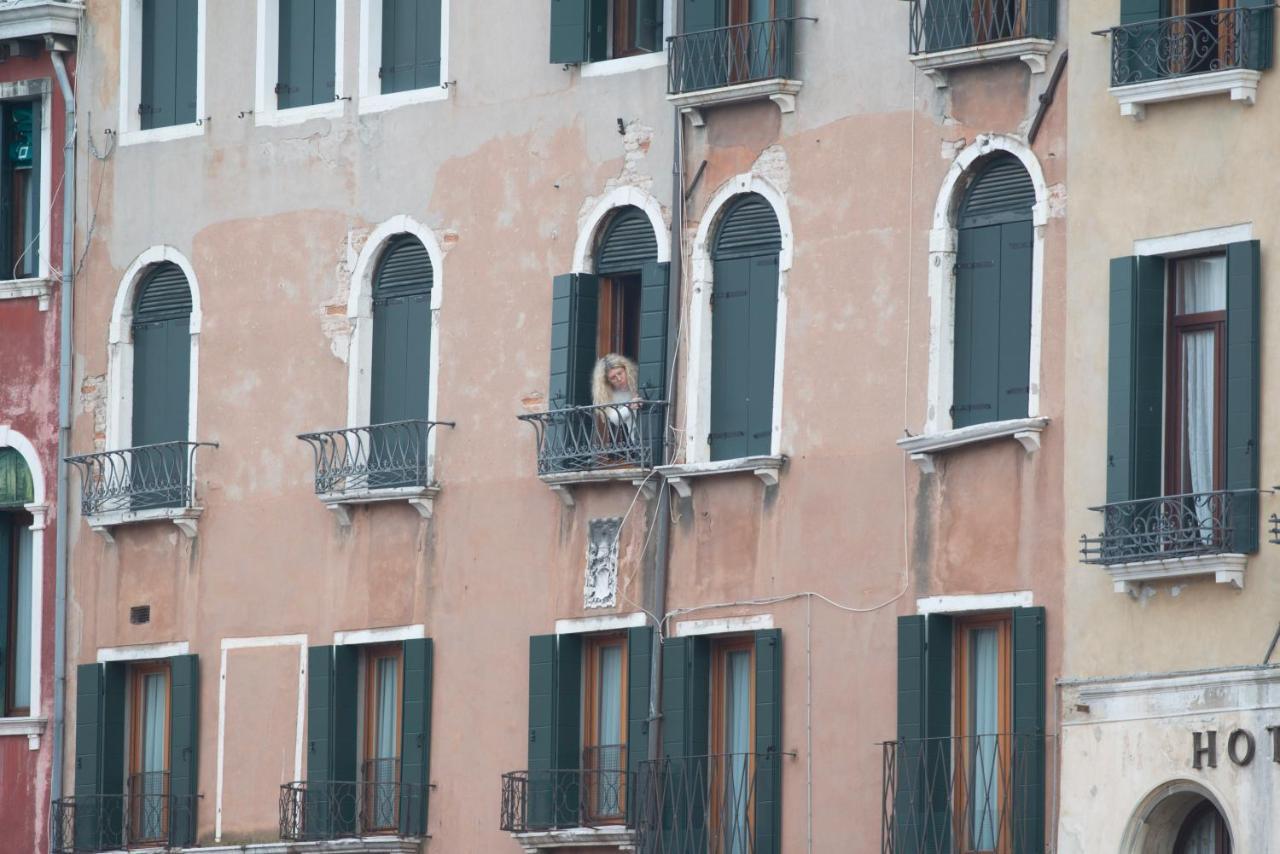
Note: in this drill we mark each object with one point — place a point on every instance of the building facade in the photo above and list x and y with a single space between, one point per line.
1169 702
568 451
37 42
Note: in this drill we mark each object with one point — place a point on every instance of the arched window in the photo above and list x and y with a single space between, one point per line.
744 324
993 295
16 548
1203 831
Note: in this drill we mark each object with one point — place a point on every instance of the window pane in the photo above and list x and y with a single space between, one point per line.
1201 284
21 662
385 746
984 724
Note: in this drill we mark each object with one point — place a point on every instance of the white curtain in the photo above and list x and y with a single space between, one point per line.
737 736
22 624
385 740
984 651
1202 286
609 732
153 755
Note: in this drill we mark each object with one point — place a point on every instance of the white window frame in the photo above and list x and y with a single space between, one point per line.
39 510
371 98
130 131
584 250
360 315
698 369
943 239
640 62
27 90
265 109
120 348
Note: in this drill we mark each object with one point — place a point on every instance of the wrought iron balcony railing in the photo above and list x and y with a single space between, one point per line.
961 794
142 478
379 803
595 438
148 814
725 56
938 25
380 456
702 803
1221 39
1169 526
594 795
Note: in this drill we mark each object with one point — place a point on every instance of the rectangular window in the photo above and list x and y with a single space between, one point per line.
618 328
148 786
1196 336
598 30
306 71
983 720
383 686
604 726
732 765
20 188
15 613
169 39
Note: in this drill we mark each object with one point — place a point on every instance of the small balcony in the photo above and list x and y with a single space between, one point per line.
1223 51
1172 536
704 803
591 444
949 34
962 794
146 483
576 807
378 804
147 815
374 464
724 65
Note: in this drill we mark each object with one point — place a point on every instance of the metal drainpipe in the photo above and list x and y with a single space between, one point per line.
64 412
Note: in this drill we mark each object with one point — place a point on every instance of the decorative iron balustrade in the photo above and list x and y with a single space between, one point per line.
938 25
595 438
379 803
725 56
148 814
594 795
381 456
142 478
963 793
1169 526
702 803
1221 39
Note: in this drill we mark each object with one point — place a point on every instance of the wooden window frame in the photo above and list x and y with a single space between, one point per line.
721 649
1176 327
592 647
18 521
137 682
617 294
372 654
1003 623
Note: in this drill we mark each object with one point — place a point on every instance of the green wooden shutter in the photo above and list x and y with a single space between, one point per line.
1258 34
184 748
1028 759
542 720
568 728
1136 11
947 24
161 331
16 489
324 59
410 45
1135 378
686 698
307 48
426 67
332 703
7 569
598 30
343 739
639 675
400 374
628 242
100 761
1013 384
569 31
415 750
1243 370
977 348
703 15
921 817
187 32
731 364
575 312
763 331
652 363
1042 19
768 721
647 24
169 39
1140 43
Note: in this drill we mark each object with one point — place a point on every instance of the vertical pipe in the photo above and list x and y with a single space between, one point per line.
64 413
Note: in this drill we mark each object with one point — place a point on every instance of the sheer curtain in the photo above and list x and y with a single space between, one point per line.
609 732
1202 287
737 737
385 746
984 726
153 758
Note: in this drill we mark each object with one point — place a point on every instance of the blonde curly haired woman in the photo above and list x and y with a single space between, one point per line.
614 386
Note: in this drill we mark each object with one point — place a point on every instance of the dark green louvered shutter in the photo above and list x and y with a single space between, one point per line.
686 697
1135 378
652 364
161 332
639 675
768 721
1258 33
184 748
703 15
332 705
628 243
1042 19
1139 44
575 307
415 751
948 24
16 488
542 720
568 736
569 23
169 38
744 318
1028 759
1243 370
647 24
410 45
100 757
921 818
307 49
7 569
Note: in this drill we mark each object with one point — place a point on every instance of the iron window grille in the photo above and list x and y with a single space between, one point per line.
1170 526
394 455
597 438
950 24
1179 46
727 56
141 478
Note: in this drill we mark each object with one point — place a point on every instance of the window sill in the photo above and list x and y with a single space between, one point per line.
184 517
1240 83
1225 569
563 483
609 67
298 115
32 728
624 838
26 288
924 448
935 65
165 134
779 90
421 498
380 103
764 467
